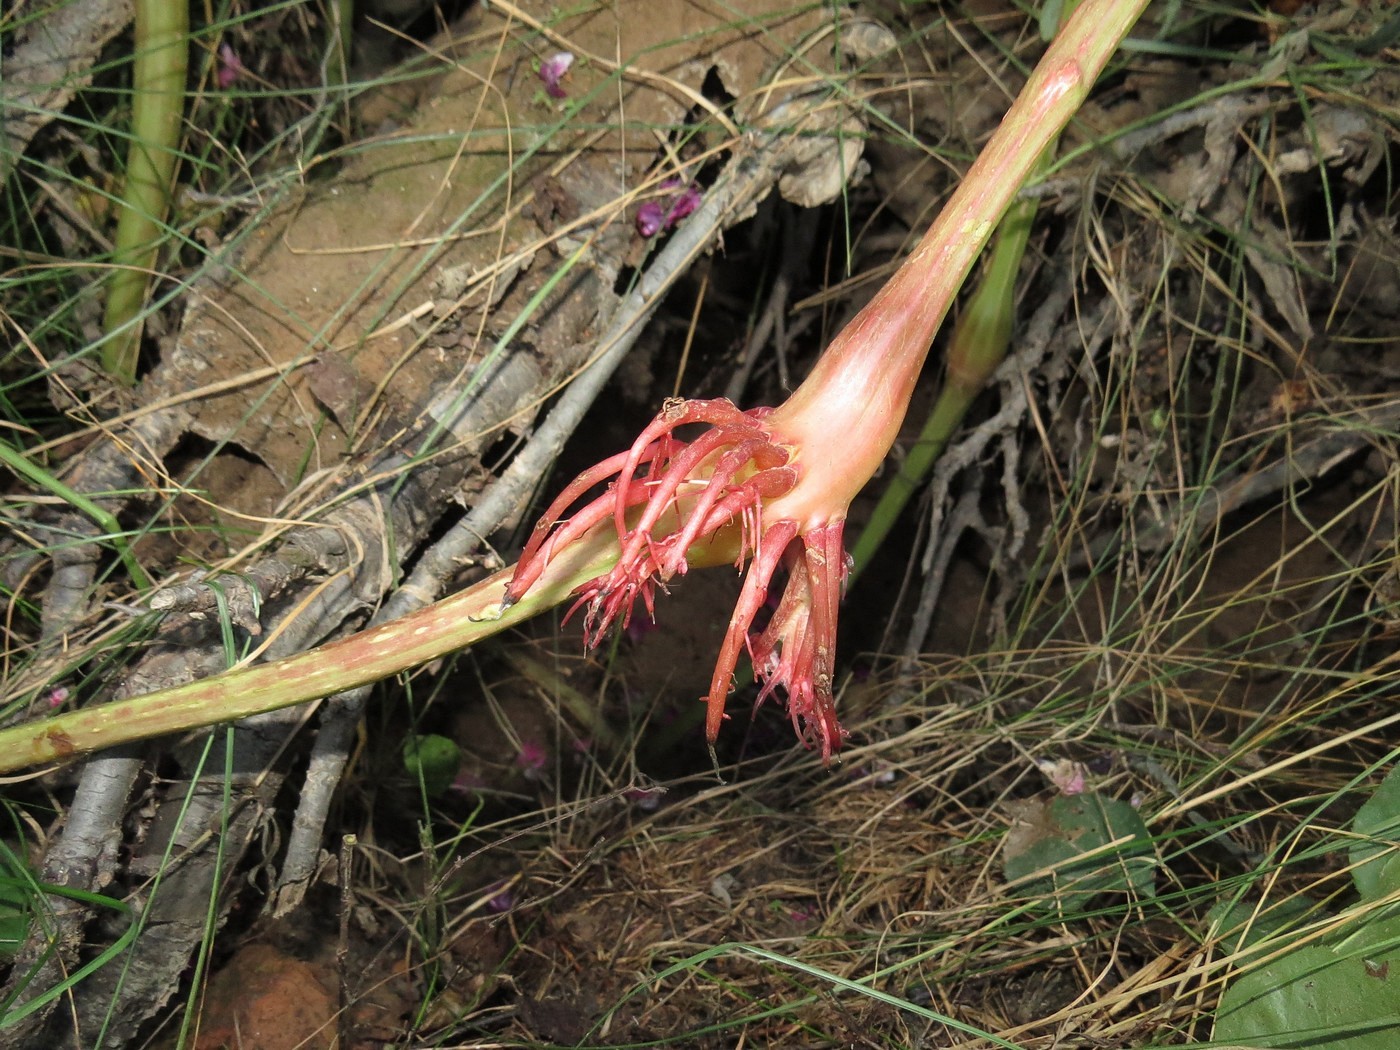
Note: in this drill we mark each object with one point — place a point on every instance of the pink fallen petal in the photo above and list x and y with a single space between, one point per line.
1066 774
648 800
651 219
501 899
684 203
552 71
230 66
532 757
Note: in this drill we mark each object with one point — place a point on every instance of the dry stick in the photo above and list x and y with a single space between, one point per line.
44 71
744 182
1341 437
82 857
105 521
74 552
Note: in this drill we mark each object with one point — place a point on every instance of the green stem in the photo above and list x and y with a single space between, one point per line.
157 105
342 39
113 533
980 343
431 632
978 347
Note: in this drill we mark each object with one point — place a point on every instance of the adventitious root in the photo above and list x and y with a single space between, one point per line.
667 499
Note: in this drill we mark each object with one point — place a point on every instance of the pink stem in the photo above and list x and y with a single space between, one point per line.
751 597
662 493
718 412
575 491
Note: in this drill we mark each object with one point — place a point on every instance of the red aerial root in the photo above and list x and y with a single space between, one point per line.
668 498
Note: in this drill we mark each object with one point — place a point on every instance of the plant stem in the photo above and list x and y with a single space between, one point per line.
157 106
369 656
873 362
977 349
20 464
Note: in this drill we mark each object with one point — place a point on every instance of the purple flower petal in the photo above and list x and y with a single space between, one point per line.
501 899
552 70
648 800
683 205
230 66
532 757
651 218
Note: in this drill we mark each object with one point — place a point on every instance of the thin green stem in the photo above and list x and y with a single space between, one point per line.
449 625
978 347
157 106
111 528
342 25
